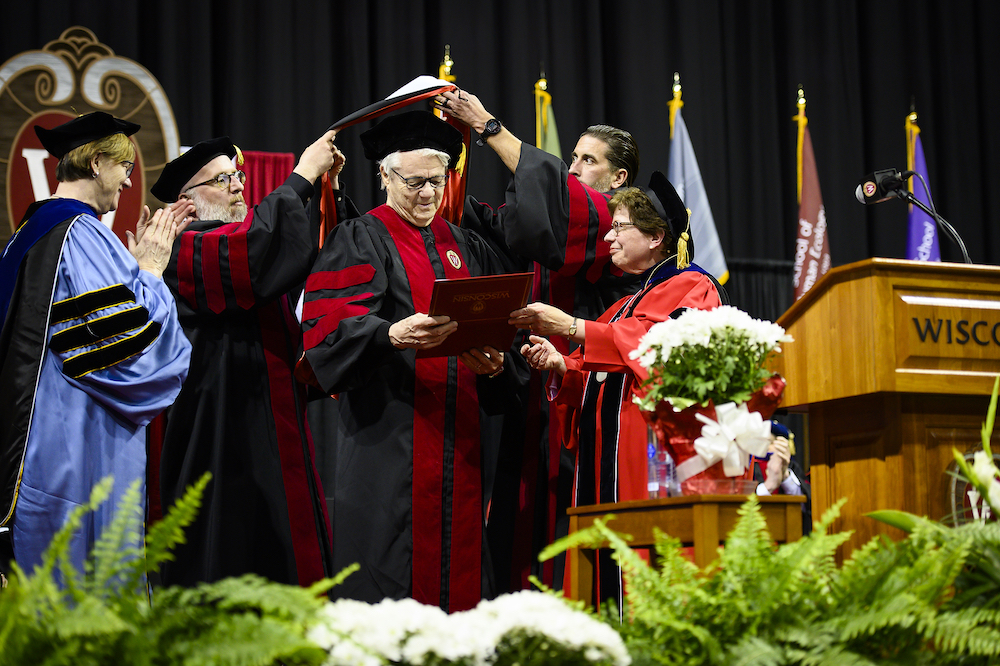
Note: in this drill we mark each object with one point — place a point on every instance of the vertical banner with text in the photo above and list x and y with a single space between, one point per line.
812 246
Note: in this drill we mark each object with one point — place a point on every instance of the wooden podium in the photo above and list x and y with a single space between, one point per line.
894 362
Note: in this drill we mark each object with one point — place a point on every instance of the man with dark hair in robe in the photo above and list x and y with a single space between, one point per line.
241 415
553 222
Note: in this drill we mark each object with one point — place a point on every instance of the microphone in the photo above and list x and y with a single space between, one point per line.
882 185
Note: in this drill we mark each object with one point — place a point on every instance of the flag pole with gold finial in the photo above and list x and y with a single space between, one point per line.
444 70
444 73
542 101
912 130
675 103
802 121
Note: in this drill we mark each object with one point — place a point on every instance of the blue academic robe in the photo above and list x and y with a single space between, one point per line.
90 351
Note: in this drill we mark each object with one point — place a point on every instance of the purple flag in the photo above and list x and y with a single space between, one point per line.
922 239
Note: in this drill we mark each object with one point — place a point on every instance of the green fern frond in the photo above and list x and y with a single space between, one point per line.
117 557
754 651
57 558
987 431
590 537
323 586
244 640
168 532
253 593
973 631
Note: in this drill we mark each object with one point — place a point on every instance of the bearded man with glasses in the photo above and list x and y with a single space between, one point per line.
241 416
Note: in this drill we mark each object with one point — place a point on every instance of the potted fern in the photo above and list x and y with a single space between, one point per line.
103 615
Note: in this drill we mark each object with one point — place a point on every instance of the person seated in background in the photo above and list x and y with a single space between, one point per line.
552 223
779 473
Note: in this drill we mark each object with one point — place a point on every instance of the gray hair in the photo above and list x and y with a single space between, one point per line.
391 161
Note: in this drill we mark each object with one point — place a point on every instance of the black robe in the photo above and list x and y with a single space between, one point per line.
408 472
241 415
555 225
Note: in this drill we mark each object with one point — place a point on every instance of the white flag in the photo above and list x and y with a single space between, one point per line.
684 174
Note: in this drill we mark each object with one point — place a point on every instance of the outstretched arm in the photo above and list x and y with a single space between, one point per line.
542 355
466 107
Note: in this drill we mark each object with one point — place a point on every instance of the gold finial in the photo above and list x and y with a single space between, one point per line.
675 102
447 62
541 84
802 121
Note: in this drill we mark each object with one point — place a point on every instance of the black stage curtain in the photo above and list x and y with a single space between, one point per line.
274 75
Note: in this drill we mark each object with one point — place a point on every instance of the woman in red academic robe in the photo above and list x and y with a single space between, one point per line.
650 238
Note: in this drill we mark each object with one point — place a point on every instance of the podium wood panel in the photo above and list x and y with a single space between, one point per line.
894 362
854 332
701 521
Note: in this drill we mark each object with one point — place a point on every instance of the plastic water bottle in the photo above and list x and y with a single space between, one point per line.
652 467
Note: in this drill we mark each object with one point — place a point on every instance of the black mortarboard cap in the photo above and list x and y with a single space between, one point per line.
82 130
179 171
410 131
670 208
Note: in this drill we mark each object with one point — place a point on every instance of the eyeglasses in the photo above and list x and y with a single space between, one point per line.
128 167
417 183
618 226
222 181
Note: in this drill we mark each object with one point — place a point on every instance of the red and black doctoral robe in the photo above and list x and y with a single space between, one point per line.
608 432
407 471
241 415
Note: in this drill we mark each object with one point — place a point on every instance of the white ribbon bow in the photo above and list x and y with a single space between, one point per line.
738 434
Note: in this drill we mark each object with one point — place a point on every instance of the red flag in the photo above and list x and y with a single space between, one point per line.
812 247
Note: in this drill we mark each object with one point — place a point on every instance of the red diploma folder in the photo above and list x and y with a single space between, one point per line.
481 306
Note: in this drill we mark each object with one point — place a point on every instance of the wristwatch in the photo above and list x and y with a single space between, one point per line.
572 328
492 128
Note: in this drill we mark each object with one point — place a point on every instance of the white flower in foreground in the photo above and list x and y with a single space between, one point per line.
983 468
539 614
407 632
993 498
696 328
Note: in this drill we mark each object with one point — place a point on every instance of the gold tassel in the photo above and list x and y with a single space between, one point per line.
239 155
683 258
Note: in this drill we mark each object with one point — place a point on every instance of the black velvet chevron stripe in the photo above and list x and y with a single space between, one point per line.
92 301
93 331
109 355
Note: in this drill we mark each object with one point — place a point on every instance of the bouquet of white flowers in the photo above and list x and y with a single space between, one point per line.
703 355
523 628
708 391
